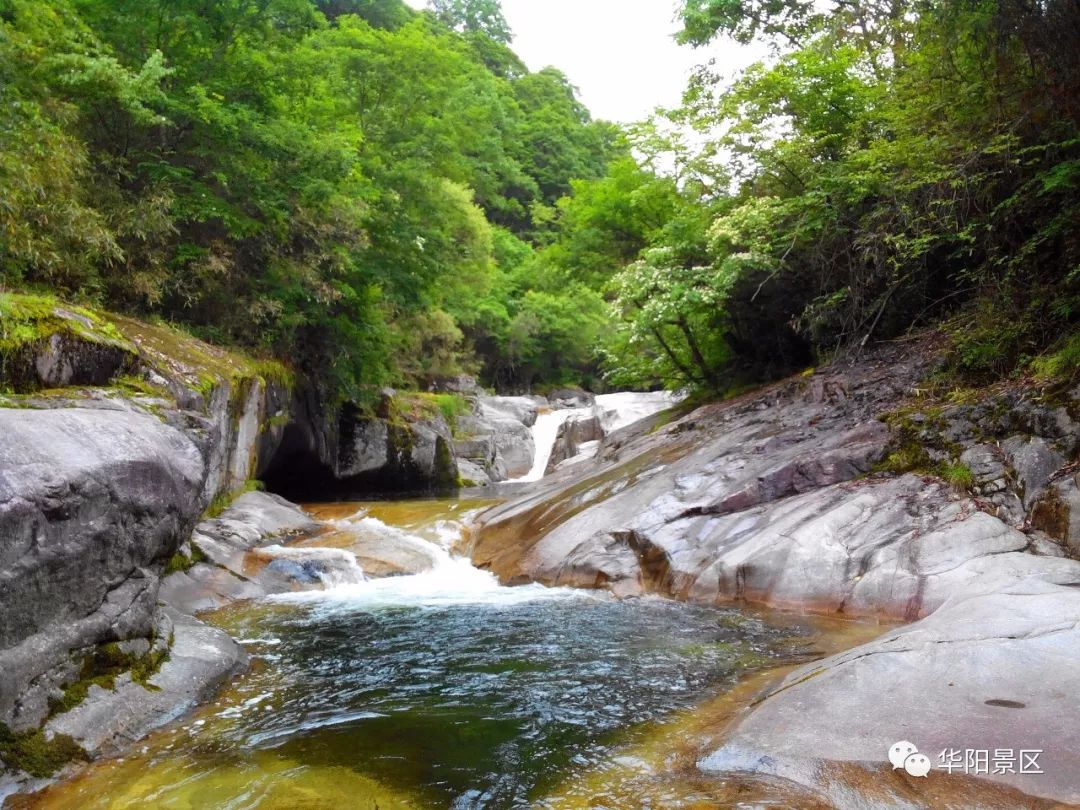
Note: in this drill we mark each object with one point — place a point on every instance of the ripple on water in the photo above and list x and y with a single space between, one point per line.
442 689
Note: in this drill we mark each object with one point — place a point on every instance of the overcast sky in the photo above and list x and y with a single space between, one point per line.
619 53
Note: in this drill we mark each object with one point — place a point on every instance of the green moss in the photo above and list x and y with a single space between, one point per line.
446 472
223 500
131 384
103 666
32 752
182 562
203 367
1061 365
276 421
75 693
144 667
958 476
904 457
452 406
28 321
964 396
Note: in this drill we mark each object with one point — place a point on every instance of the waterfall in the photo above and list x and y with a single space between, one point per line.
615 410
544 432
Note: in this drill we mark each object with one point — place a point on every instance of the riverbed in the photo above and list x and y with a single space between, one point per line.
443 689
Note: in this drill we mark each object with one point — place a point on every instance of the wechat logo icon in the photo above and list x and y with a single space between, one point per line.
905 755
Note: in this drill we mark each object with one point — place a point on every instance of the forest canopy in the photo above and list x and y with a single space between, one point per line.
377 195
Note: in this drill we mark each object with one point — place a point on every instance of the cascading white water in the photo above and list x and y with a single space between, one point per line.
626 407
544 432
450 580
615 411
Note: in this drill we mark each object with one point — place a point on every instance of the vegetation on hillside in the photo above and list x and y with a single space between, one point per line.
348 185
381 196
891 163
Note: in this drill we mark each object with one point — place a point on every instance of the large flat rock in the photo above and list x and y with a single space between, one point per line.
993 672
774 499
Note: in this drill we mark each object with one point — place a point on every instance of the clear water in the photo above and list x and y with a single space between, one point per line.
441 689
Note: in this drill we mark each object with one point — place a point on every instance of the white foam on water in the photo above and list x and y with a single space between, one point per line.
615 411
333 566
451 580
626 407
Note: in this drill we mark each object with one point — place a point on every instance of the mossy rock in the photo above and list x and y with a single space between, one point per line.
197 365
37 754
46 344
1051 514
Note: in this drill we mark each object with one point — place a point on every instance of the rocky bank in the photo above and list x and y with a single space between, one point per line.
121 443
127 449
851 491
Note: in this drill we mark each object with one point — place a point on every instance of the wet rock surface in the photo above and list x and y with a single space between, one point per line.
576 431
777 498
99 491
995 672
201 659
493 443
221 569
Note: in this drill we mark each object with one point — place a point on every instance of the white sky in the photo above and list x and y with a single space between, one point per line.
619 53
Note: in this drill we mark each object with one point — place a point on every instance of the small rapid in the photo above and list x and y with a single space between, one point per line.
450 579
331 566
544 432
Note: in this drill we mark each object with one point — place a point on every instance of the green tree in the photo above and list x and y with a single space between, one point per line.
474 16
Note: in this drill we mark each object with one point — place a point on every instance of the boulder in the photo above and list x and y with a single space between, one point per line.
200 660
384 550
459 384
496 438
220 569
63 346
91 504
520 409
577 430
1057 512
1034 461
987 465
570 398
472 474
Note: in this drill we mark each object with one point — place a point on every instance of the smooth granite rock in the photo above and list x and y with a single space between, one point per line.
91 502
201 659
773 498
994 671
494 442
